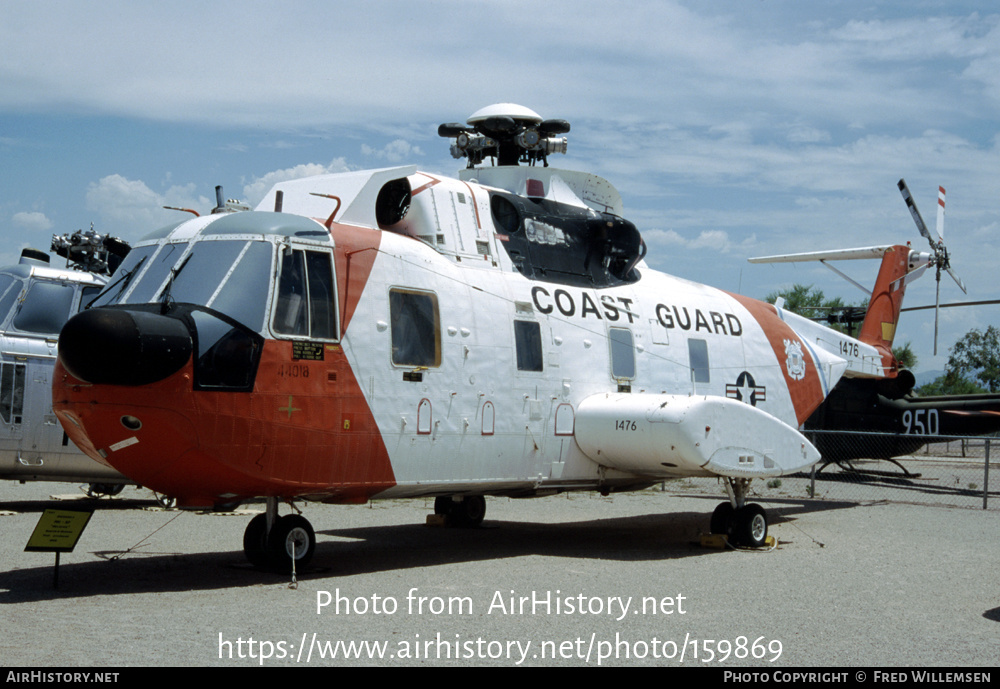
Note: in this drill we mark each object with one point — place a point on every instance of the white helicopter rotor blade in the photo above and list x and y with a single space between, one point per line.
940 214
905 191
957 280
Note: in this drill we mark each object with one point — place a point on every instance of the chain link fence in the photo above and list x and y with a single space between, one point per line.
948 470
870 467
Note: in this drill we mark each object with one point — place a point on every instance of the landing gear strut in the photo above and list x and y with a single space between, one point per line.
273 542
744 523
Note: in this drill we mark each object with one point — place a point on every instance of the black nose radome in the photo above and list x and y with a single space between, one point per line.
123 347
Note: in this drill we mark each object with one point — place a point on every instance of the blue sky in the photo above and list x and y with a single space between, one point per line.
732 128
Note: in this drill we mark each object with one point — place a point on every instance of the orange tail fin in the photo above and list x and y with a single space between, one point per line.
879 326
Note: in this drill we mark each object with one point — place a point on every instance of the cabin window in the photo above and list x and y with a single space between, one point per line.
698 354
305 296
622 353
528 343
416 328
45 308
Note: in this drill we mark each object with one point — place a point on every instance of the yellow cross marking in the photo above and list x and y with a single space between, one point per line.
289 408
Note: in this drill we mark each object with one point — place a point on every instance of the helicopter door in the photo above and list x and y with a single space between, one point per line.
26 383
12 377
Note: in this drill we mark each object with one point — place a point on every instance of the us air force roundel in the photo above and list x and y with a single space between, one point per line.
746 390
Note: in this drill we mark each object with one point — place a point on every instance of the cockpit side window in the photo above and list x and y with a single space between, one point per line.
10 287
290 316
87 295
45 308
305 301
320 276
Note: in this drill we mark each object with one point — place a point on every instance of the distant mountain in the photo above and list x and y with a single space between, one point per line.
925 377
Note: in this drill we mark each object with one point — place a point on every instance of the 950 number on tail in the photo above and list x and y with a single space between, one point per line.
920 422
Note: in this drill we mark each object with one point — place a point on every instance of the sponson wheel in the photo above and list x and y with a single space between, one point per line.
467 512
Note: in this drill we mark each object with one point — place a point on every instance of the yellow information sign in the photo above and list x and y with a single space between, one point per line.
58 531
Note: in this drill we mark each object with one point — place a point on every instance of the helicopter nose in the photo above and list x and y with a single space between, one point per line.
123 347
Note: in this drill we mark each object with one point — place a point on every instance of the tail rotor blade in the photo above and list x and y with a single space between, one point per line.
904 190
940 214
958 280
940 258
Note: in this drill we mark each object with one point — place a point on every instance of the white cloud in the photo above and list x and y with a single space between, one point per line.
130 209
396 151
779 125
714 241
255 191
803 134
32 221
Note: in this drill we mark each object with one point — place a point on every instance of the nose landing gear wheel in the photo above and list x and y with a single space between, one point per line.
750 526
290 536
255 541
722 519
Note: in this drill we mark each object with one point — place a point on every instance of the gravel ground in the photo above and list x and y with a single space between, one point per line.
567 580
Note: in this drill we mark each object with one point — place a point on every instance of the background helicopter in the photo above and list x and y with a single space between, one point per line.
892 421
36 299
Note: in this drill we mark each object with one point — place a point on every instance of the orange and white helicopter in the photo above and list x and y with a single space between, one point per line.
394 333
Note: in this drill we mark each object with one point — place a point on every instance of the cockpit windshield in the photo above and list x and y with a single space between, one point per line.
227 275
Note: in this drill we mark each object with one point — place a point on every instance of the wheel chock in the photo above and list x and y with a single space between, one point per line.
721 541
714 540
437 520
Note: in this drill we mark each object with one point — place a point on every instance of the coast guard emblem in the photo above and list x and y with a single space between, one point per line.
794 361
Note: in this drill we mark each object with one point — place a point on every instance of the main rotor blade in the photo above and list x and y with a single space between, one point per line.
945 306
905 191
937 308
